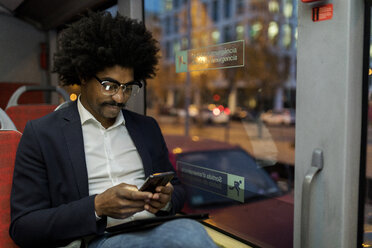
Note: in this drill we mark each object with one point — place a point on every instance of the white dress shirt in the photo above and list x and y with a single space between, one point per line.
111 158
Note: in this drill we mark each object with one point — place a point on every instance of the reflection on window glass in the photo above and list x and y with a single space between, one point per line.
176 3
184 21
194 42
204 13
176 46
227 8
240 6
287 38
255 30
175 25
215 10
168 4
273 31
167 25
205 39
216 36
258 6
288 10
239 32
239 121
274 6
168 49
185 43
257 181
227 32
296 33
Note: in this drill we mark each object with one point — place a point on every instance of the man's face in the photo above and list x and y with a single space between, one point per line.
105 108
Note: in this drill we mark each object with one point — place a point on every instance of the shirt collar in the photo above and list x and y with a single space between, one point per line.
86 116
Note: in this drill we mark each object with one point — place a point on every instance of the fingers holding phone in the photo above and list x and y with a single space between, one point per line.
160 198
121 201
124 200
155 180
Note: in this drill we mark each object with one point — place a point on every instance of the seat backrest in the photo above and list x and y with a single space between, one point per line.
22 113
9 140
5 122
7 89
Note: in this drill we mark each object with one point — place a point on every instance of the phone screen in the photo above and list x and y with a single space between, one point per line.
157 179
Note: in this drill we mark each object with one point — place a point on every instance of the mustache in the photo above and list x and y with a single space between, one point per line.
120 105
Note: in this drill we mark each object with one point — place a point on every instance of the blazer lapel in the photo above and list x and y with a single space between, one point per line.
73 134
139 141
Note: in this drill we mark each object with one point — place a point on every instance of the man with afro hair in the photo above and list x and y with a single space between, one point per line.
78 169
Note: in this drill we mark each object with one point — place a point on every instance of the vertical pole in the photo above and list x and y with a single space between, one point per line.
329 77
188 78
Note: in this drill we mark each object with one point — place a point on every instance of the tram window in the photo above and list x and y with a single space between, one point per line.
237 162
247 111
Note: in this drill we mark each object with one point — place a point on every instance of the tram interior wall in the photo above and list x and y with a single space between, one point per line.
20 48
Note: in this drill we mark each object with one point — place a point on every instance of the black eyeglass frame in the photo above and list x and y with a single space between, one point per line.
124 86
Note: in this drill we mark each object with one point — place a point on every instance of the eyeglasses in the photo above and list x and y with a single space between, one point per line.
110 87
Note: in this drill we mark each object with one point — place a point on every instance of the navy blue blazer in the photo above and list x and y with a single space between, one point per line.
50 205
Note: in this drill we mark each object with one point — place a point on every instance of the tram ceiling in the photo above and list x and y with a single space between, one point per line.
50 14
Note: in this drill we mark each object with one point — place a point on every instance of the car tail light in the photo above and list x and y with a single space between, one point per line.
227 111
216 111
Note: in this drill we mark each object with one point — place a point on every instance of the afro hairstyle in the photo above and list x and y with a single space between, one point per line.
98 41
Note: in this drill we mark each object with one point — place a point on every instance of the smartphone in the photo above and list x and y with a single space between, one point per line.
155 180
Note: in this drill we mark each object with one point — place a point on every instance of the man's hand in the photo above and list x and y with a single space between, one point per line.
159 199
121 201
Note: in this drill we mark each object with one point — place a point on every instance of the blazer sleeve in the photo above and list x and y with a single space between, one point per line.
35 220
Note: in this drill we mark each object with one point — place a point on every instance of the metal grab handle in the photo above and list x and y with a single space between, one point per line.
316 166
13 101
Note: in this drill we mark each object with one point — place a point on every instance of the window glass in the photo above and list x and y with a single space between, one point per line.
185 43
227 32
239 32
167 25
240 6
168 53
176 3
168 5
175 24
273 31
229 129
287 35
288 9
215 10
227 8
176 46
256 29
215 36
296 33
273 6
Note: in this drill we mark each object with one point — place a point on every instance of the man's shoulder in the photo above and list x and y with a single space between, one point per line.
55 117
